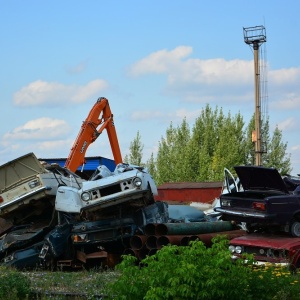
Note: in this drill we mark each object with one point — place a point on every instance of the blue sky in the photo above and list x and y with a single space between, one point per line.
155 61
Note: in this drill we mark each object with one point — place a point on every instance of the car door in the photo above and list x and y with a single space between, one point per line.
230 183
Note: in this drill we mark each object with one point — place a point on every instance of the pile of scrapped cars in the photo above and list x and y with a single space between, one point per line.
52 218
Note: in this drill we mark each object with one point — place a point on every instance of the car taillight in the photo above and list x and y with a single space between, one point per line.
1 199
259 206
79 238
226 203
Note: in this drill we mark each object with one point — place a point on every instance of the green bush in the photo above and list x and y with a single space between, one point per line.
13 284
197 272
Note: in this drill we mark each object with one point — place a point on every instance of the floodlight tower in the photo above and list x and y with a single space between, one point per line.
256 36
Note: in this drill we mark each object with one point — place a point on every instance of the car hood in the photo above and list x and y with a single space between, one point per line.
266 241
19 169
260 178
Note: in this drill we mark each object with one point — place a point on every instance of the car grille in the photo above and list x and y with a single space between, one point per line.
108 190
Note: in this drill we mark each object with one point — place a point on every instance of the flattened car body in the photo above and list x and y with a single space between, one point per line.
127 184
26 182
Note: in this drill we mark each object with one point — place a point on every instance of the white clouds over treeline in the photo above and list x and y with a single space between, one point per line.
186 79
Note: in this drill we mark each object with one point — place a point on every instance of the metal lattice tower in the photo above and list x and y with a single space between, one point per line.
255 37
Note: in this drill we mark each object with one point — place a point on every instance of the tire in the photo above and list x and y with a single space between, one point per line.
295 228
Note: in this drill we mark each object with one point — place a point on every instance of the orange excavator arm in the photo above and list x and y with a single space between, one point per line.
89 132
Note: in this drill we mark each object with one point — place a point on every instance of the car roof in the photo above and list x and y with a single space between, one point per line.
257 177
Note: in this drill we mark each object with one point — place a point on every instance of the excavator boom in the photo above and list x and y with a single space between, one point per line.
99 118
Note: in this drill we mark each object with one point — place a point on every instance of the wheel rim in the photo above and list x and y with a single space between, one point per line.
296 229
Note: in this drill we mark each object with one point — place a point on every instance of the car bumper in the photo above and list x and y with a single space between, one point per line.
264 263
244 214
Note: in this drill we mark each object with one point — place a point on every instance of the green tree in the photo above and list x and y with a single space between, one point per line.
274 149
215 142
277 156
170 162
230 148
198 272
151 165
202 144
136 151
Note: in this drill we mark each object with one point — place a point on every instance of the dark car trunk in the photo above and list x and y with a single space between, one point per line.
245 199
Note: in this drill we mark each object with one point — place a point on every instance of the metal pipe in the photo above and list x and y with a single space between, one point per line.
151 242
130 251
143 253
192 228
185 241
152 251
206 238
137 241
165 240
150 229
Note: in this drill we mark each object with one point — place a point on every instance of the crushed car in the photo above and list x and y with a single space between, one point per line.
264 201
28 188
268 248
127 184
76 244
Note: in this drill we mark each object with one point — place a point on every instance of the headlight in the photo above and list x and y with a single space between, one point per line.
34 183
231 248
86 196
137 182
238 249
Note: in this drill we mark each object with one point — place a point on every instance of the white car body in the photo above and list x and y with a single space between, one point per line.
127 183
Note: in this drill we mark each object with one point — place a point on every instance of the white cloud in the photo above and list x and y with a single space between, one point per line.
296 148
284 76
289 101
288 124
39 129
214 80
179 71
49 148
53 93
160 61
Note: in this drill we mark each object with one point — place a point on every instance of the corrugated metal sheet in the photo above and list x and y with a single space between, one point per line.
187 192
91 162
190 185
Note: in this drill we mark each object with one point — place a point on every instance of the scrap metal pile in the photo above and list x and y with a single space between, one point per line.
52 217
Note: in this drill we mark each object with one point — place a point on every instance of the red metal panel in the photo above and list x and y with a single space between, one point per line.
187 195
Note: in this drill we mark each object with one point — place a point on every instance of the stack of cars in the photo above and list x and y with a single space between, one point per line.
268 206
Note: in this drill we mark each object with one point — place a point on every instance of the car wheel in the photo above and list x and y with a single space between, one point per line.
295 229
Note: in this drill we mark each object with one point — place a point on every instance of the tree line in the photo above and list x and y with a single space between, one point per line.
215 141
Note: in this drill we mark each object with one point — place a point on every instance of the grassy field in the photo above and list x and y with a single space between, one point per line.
77 285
